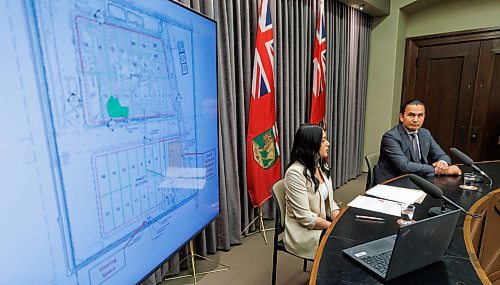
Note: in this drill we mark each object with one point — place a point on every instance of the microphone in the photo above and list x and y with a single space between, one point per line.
467 161
429 188
436 193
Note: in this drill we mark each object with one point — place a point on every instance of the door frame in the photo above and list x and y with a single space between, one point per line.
414 43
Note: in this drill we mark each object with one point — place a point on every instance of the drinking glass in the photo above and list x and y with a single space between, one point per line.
469 179
407 212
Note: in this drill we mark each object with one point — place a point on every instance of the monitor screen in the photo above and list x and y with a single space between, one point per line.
109 145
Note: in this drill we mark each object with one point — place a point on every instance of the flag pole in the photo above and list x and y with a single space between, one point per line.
262 229
193 274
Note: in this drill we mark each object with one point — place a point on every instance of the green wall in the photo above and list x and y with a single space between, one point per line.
458 15
388 40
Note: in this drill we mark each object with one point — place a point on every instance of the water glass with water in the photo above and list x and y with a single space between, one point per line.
407 212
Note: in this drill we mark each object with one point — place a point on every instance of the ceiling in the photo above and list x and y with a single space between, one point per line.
378 8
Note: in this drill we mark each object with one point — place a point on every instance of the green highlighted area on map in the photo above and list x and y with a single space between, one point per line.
115 109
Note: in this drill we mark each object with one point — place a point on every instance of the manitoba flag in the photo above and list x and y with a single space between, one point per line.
263 155
319 72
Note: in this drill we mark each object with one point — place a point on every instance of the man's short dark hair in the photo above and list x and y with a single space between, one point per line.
410 102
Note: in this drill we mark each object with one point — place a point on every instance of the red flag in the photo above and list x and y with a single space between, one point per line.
319 77
263 156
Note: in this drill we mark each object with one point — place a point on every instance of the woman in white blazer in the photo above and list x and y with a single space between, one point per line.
309 193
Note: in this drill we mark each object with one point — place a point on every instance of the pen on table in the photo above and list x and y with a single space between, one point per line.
369 218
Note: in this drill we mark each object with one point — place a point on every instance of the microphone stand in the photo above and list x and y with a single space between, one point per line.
477 170
434 211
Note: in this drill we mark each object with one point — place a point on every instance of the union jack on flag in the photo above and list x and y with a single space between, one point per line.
263 66
318 108
263 155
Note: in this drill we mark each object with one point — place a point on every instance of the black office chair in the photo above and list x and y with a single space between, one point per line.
278 192
371 160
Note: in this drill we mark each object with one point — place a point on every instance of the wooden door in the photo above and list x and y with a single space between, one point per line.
445 83
457 76
484 140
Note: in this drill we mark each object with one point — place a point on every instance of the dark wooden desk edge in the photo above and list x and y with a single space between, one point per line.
317 258
468 239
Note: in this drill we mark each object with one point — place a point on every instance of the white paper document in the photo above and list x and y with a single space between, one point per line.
399 194
377 205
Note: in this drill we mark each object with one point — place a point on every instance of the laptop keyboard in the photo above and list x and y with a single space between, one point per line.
379 261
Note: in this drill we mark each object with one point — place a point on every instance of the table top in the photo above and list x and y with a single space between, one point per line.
333 267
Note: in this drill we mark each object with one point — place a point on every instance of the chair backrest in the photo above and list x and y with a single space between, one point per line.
371 160
278 192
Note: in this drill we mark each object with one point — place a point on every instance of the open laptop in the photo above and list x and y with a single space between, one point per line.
414 246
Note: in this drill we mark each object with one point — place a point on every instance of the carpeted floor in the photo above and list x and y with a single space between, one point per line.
251 262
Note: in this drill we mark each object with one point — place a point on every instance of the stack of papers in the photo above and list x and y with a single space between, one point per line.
398 194
377 205
387 199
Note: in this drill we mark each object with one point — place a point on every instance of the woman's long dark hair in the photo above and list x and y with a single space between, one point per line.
305 149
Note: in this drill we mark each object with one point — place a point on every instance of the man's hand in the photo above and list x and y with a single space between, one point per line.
440 167
453 170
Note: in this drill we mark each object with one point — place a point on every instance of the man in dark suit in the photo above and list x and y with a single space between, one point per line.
409 148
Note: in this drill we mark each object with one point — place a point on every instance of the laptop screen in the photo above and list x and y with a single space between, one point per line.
414 246
422 243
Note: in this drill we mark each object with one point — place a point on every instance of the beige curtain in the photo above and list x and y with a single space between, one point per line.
294 22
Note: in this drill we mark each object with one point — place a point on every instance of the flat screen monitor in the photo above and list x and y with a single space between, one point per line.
109 145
